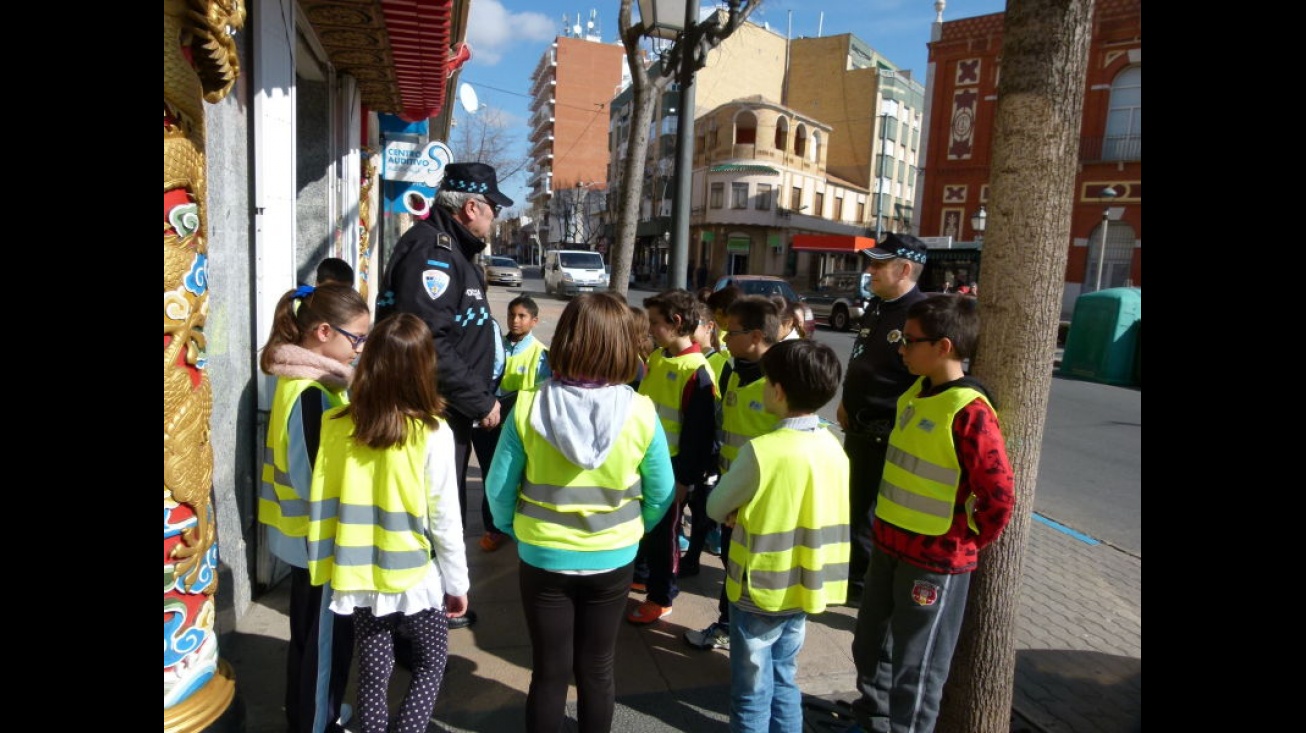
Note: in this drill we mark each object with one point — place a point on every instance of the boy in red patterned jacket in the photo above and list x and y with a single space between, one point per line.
947 492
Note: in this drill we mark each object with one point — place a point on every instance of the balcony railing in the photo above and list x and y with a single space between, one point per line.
1124 147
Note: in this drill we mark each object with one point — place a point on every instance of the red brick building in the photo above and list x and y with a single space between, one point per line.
960 109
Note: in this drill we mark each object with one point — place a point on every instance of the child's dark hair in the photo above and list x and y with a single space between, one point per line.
335 270
808 370
952 316
394 387
757 313
678 302
526 302
305 308
721 299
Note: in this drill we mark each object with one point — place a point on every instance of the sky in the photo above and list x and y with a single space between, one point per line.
509 36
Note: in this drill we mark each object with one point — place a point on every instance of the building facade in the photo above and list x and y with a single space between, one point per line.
571 89
964 69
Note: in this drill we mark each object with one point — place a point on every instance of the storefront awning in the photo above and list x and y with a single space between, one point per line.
835 243
398 50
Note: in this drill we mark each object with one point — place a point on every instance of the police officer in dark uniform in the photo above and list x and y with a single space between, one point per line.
433 275
874 380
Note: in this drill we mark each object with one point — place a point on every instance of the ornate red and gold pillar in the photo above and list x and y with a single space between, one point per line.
199 64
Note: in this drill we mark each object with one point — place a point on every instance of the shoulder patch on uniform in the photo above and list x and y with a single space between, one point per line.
435 283
444 240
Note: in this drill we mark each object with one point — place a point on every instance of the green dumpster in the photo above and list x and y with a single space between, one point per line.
1104 337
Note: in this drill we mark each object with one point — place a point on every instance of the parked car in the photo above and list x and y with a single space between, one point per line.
839 298
571 271
503 271
768 285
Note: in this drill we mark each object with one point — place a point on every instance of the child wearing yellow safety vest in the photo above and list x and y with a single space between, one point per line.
526 364
386 528
786 497
316 334
946 493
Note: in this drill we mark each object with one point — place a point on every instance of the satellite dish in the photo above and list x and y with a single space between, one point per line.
468 99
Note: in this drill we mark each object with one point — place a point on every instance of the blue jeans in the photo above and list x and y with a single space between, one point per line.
764 694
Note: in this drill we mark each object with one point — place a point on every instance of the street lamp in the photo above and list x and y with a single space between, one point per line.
978 222
676 19
1108 193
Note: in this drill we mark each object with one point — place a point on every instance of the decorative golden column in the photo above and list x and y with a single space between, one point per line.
199 64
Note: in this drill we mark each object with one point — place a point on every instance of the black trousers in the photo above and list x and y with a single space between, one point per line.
573 622
866 454
307 622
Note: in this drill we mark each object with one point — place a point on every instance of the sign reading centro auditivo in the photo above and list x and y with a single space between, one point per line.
417 163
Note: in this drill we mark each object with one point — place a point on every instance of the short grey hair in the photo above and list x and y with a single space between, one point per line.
452 201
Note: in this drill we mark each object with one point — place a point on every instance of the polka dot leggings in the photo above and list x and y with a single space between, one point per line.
429 632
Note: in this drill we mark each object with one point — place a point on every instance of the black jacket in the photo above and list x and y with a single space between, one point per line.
431 275
876 375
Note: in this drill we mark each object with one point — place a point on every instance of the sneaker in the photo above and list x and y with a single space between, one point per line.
639 586
688 570
464 621
648 612
491 541
716 636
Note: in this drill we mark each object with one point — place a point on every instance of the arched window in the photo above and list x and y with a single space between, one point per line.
1124 120
745 128
781 134
816 147
800 141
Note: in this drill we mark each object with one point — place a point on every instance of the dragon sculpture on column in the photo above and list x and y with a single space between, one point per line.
200 64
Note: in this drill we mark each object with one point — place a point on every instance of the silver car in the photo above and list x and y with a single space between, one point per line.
839 298
503 271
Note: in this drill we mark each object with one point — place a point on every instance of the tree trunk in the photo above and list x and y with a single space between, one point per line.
630 186
1035 159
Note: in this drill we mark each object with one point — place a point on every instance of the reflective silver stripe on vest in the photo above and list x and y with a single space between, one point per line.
596 522
920 467
808 537
365 556
580 495
666 412
813 580
735 439
289 508
917 503
371 515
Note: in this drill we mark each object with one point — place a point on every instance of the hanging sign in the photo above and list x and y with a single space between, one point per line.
413 162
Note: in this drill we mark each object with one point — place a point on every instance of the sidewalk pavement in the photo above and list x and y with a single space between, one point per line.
1078 664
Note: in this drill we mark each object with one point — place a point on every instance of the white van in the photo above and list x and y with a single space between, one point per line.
572 271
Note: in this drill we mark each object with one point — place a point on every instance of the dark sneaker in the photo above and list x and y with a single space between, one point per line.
716 636
464 621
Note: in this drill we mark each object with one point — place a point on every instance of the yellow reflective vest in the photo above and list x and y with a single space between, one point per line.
522 368
665 385
280 505
368 511
563 506
791 540
743 417
717 360
921 472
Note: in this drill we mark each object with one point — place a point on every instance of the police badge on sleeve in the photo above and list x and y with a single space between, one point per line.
435 282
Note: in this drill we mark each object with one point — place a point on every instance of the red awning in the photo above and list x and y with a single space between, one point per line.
836 243
419 40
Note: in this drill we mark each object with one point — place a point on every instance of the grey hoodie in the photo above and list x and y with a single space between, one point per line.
581 422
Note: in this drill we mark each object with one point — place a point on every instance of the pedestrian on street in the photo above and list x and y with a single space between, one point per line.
874 379
433 274
316 334
385 528
581 474
947 493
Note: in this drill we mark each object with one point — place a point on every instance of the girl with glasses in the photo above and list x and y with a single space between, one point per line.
310 355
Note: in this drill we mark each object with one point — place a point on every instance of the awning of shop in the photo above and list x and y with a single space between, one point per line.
836 243
743 168
398 50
